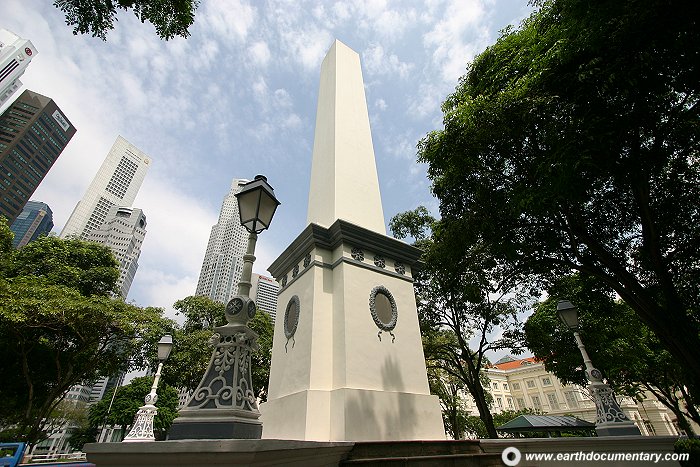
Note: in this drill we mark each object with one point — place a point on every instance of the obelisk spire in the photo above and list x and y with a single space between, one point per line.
344 182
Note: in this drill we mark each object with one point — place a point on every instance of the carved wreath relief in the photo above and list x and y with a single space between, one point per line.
382 307
291 319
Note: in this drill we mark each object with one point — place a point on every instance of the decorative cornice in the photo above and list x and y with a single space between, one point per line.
314 236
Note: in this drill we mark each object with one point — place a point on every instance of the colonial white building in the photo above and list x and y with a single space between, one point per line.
524 383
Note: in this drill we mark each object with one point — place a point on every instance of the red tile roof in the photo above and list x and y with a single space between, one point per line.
516 363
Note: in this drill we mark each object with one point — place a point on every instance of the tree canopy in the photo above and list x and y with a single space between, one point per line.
627 352
60 326
572 144
170 17
466 307
119 408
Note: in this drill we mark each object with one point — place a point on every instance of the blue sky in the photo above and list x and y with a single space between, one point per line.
238 98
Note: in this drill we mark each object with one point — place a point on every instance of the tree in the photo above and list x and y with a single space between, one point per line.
466 307
626 351
571 144
170 17
120 409
60 326
191 355
476 429
450 391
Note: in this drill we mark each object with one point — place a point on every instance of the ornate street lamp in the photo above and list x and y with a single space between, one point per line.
610 419
142 430
224 405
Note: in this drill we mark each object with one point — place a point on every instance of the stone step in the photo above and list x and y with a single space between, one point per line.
461 460
386 449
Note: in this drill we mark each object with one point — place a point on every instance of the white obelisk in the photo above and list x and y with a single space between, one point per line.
347 359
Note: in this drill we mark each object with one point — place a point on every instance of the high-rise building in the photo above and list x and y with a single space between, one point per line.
264 293
116 184
223 260
35 219
33 133
123 231
15 55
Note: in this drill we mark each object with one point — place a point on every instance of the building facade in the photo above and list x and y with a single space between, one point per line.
15 55
35 219
123 230
264 293
33 133
223 260
116 184
525 384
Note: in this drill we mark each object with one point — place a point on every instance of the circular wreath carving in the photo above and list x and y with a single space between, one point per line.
295 271
291 317
284 280
379 261
357 254
400 268
307 260
382 306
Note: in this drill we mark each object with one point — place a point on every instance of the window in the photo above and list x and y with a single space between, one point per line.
495 385
505 386
521 403
510 403
499 401
516 385
546 381
530 383
571 399
552 399
536 402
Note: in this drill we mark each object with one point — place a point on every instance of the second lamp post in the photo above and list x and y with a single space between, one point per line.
610 419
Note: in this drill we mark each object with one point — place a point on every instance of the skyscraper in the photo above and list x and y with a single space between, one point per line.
33 133
123 231
15 55
264 293
35 219
223 260
116 184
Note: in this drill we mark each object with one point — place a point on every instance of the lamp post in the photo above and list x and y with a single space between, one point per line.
610 419
224 405
142 430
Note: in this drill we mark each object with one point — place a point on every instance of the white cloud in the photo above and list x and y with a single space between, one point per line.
380 104
377 62
260 53
227 19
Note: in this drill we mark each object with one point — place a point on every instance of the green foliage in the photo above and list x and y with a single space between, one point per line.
170 17
630 356
59 326
82 435
120 409
572 144
449 390
691 446
463 300
260 360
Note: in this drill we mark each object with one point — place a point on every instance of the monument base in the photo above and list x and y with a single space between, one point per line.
353 415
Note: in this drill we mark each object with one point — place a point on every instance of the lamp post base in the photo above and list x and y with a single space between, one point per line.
143 425
220 429
611 420
617 429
